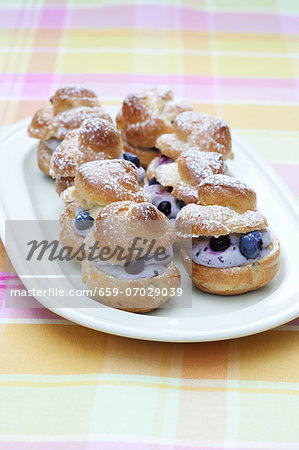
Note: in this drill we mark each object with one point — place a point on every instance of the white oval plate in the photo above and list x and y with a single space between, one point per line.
27 194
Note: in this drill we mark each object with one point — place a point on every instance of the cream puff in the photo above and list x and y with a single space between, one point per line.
176 184
146 115
193 131
96 185
65 111
231 252
95 139
138 272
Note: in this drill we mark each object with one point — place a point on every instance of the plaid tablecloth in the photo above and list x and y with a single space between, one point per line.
67 387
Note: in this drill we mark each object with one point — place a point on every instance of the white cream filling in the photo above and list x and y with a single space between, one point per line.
52 143
152 268
231 257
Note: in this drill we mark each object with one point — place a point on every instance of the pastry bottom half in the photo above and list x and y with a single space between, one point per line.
95 279
44 156
234 280
151 169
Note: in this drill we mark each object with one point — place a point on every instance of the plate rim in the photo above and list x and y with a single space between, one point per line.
79 316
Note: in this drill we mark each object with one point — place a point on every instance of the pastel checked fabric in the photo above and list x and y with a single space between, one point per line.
67 387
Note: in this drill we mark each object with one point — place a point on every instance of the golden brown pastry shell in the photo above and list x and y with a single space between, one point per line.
44 156
68 236
145 155
213 220
123 223
227 191
146 115
99 183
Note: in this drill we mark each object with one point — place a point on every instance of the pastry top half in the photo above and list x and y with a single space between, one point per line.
64 112
197 220
227 191
99 183
198 132
96 139
146 115
186 173
121 224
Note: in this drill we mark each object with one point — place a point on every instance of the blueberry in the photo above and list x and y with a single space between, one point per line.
165 207
83 220
132 158
153 181
251 244
134 267
219 244
180 203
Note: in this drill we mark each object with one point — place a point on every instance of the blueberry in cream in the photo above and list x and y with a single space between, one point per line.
163 199
177 182
231 250
135 160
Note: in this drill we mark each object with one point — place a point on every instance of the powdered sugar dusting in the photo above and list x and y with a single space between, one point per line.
148 114
217 221
197 132
116 179
201 164
74 90
217 182
95 130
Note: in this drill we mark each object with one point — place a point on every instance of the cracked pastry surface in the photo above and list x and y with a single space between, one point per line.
197 132
65 111
146 115
95 139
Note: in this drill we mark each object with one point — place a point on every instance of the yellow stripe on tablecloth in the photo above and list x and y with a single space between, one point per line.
125 38
41 349
246 116
161 64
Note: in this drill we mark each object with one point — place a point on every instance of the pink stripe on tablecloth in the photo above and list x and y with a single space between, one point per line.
8 277
289 172
45 78
204 88
159 17
53 18
30 309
